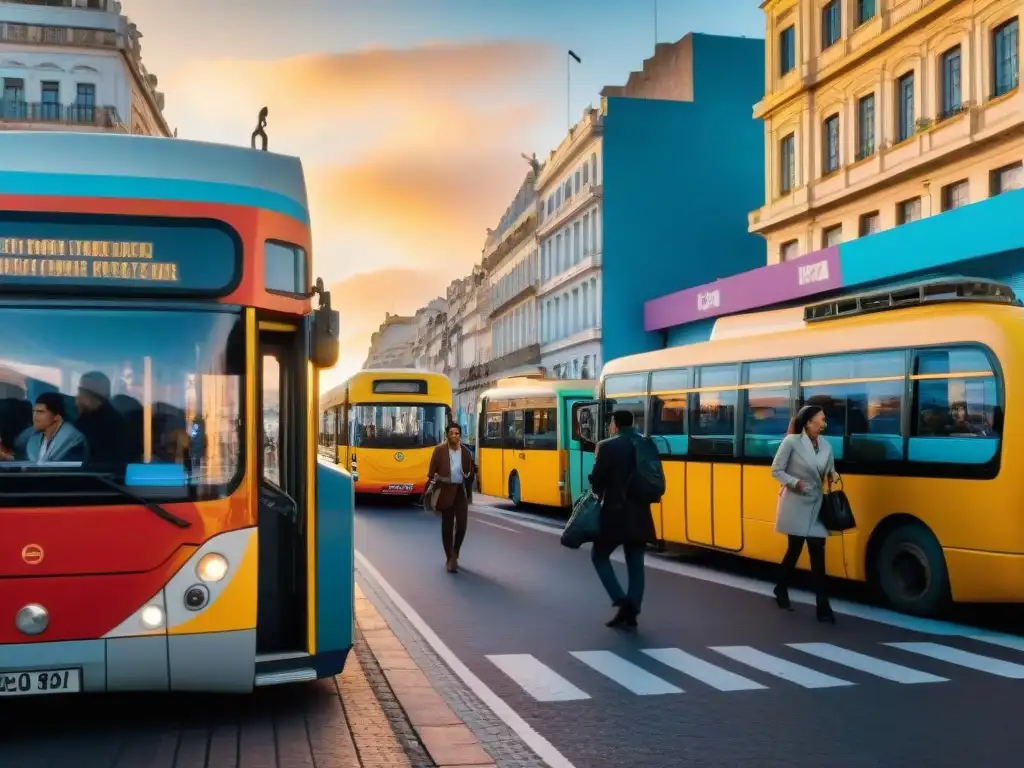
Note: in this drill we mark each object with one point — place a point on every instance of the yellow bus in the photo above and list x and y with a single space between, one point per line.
383 424
916 383
526 450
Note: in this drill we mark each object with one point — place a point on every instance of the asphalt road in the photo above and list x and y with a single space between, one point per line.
715 675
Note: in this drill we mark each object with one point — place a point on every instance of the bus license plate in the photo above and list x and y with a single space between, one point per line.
40 681
399 488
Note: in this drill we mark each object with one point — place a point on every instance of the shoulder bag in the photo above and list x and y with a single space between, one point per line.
836 513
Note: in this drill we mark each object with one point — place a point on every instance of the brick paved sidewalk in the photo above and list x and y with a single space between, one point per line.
376 714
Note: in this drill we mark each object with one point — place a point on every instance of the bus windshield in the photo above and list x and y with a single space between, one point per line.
152 399
385 425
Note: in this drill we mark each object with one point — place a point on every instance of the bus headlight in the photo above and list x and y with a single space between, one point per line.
152 617
212 567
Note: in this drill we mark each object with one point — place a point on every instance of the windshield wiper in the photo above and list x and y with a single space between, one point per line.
152 506
106 480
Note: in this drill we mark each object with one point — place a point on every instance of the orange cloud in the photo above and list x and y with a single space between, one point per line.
330 90
362 301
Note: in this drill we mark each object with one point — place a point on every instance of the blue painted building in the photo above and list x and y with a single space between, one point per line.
679 180
649 194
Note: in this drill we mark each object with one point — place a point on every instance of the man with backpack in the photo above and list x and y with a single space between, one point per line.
628 478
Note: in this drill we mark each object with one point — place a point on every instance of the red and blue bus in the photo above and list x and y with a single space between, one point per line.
159 526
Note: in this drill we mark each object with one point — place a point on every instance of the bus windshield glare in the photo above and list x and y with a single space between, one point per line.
150 398
383 425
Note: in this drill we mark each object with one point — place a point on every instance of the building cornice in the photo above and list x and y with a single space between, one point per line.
589 128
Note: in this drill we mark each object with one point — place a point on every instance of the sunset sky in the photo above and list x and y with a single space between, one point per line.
409 115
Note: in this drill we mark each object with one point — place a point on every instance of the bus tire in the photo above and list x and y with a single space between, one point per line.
515 490
910 570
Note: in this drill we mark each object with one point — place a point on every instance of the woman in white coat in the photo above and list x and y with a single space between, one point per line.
803 464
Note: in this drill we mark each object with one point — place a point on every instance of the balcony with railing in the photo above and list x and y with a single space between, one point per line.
50 113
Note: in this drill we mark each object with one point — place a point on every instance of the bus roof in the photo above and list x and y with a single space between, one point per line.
530 387
921 325
56 163
438 385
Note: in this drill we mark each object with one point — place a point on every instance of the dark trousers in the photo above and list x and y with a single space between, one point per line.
453 524
600 556
816 551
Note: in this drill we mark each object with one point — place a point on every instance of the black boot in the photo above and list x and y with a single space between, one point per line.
782 598
625 616
824 612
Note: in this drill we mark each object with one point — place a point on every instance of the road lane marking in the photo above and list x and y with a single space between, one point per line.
495 525
756 586
773 665
707 673
543 748
629 676
869 664
964 659
1010 641
537 679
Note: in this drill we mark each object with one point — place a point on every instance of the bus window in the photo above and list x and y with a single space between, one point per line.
513 429
398 426
767 414
625 393
862 396
713 413
668 411
541 425
491 429
957 418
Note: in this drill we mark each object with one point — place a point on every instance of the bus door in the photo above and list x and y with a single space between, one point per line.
513 452
282 369
581 417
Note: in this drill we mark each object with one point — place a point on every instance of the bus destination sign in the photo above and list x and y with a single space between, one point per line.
147 257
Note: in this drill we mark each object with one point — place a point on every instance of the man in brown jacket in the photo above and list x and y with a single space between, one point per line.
452 470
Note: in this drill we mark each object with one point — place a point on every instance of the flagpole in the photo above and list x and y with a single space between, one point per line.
568 91
655 23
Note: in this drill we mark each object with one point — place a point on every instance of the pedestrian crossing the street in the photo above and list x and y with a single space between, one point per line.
734 668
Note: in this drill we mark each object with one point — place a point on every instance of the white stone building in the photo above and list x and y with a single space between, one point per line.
512 261
469 344
569 232
430 351
75 65
391 346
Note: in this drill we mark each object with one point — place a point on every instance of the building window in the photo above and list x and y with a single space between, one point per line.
50 105
593 167
85 103
1005 58
865 11
870 223
13 105
576 182
831 24
787 50
830 145
787 163
576 242
955 195
789 250
950 82
586 234
586 173
832 236
905 107
908 211
866 126
1007 178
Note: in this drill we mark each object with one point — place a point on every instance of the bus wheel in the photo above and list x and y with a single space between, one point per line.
514 492
910 570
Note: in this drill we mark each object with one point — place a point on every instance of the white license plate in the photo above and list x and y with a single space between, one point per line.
39 682
402 488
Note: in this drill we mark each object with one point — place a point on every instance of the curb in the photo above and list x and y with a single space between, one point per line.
447 739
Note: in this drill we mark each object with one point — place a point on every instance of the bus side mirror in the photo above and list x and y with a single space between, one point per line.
325 331
584 425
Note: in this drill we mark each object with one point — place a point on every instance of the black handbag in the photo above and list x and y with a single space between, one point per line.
836 513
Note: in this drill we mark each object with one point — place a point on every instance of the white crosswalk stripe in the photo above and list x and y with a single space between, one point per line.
706 672
1012 642
537 679
628 675
869 664
964 659
773 665
544 684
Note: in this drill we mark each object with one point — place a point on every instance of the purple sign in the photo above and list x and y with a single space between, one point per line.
789 280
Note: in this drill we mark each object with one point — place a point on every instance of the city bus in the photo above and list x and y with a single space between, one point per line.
918 384
526 450
159 534
383 424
